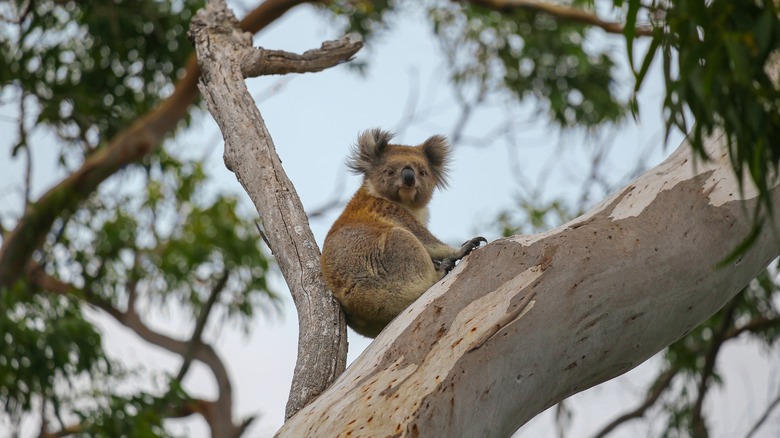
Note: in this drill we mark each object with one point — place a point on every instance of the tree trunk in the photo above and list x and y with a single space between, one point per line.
527 321
226 57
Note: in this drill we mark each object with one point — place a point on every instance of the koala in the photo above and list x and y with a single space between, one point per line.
379 256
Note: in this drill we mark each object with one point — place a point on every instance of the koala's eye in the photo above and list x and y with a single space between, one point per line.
423 172
390 172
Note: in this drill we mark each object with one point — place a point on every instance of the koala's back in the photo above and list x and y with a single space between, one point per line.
375 265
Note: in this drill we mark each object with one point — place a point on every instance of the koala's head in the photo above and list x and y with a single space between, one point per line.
404 174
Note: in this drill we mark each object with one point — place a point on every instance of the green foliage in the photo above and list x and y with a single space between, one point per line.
95 67
364 17
716 56
45 344
752 312
531 54
134 416
367 18
528 54
166 241
152 234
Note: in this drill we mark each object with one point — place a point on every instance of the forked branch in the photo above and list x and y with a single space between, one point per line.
226 57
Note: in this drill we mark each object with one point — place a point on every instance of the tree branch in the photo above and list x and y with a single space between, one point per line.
251 155
698 426
610 289
561 12
132 144
66 431
205 408
765 416
200 325
219 413
660 385
262 62
755 325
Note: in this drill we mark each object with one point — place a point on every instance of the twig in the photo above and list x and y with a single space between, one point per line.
755 325
335 200
698 428
409 113
562 418
259 225
765 416
562 12
189 407
200 325
661 384
22 143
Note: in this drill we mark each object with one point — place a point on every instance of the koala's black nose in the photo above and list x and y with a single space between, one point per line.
407 175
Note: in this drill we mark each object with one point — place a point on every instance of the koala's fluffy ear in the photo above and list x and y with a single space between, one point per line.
437 150
370 146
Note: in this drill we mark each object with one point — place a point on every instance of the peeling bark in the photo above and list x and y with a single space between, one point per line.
527 321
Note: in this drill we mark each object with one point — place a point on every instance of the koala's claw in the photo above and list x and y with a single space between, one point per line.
446 265
471 245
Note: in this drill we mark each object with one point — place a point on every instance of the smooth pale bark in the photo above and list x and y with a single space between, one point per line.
527 321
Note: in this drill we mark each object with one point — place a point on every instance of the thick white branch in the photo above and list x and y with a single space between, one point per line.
530 320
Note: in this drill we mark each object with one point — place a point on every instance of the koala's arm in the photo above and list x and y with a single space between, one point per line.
439 250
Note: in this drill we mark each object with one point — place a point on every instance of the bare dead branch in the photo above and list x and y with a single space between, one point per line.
561 12
220 412
261 62
251 155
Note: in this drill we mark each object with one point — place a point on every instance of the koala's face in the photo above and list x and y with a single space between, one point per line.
404 175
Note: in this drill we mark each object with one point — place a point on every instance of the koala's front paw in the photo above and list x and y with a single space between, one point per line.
445 266
471 245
